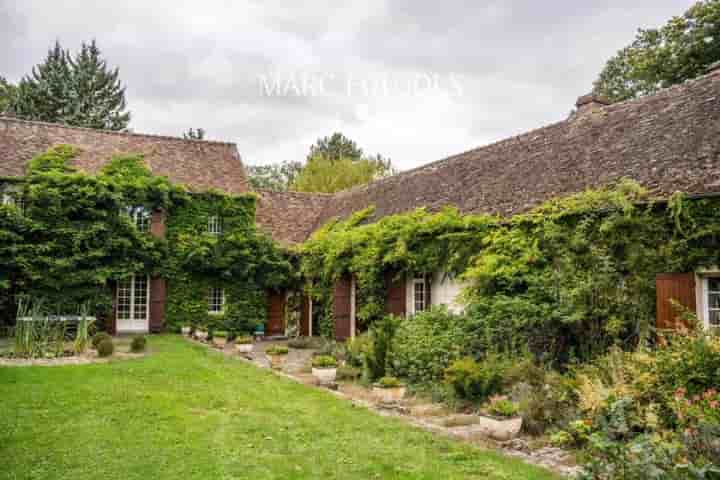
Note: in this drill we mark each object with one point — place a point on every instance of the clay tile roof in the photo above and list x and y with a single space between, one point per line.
200 165
289 217
667 142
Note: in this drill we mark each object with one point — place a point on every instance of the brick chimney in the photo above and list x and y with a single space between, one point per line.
590 102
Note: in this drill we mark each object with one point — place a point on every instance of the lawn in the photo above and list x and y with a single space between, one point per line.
186 412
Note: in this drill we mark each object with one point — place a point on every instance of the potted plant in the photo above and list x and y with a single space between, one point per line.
201 333
186 329
389 389
277 354
219 338
324 368
244 344
503 420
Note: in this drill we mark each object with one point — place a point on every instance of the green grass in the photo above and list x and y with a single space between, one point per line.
186 412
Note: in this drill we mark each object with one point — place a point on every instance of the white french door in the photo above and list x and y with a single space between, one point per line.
133 294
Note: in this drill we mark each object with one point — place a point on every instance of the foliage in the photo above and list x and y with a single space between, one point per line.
501 406
138 344
682 49
82 335
193 134
427 343
244 340
546 399
356 348
324 361
220 334
346 372
80 91
302 343
476 381
388 382
378 353
105 348
323 175
335 147
7 95
277 350
277 177
99 337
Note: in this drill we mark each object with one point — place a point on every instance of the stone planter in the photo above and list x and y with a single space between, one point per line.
389 395
244 348
501 429
325 375
277 361
219 341
185 331
201 335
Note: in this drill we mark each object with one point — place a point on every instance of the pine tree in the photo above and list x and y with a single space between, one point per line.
78 91
7 95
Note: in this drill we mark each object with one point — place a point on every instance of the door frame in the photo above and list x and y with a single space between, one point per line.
145 328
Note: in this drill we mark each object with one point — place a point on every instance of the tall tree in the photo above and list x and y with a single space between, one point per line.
659 57
193 134
325 175
335 147
277 176
80 91
7 95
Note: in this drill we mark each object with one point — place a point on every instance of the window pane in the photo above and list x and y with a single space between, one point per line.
123 300
419 294
140 307
715 318
714 300
714 284
215 300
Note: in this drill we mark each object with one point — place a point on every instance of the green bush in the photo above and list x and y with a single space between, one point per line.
346 372
427 343
476 381
548 401
243 340
106 347
502 407
277 350
378 351
356 349
99 337
324 361
301 343
138 344
388 382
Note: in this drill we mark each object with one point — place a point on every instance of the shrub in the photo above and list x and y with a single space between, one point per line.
476 381
426 344
377 354
346 372
388 382
324 361
547 401
138 344
106 347
244 340
99 337
500 406
220 334
356 349
277 350
302 343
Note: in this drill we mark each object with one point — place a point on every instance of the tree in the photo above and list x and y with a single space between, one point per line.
7 95
277 177
682 49
79 91
335 147
193 134
325 175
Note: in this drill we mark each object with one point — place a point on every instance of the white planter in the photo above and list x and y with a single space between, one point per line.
244 348
185 331
325 375
499 429
201 334
220 341
389 395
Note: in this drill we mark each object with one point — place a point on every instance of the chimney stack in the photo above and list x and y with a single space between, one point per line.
590 102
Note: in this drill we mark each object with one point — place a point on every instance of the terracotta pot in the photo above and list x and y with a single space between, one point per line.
277 361
389 395
244 348
325 375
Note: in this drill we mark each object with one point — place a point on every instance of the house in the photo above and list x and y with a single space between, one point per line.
667 142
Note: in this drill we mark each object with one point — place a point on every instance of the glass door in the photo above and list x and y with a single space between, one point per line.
133 294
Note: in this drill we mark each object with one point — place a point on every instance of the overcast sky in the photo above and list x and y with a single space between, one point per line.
412 80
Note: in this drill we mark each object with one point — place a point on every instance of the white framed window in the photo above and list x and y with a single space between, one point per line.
214 225
712 301
13 199
216 300
140 217
419 294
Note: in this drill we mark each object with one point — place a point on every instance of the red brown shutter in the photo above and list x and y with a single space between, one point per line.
276 313
111 323
157 223
674 286
305 316
395 300
341 308
428 290
157 304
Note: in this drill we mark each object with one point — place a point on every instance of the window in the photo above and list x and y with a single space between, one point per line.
419 295
132 303
214 225
140 217
216 300
713 301
13 199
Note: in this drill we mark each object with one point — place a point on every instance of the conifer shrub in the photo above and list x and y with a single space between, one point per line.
99 337
138 344
106 347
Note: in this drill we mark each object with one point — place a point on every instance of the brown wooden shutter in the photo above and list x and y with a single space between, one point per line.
674 286
395 297
341 307
305 316
111 323
157 223
157 304
428 290
276 313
